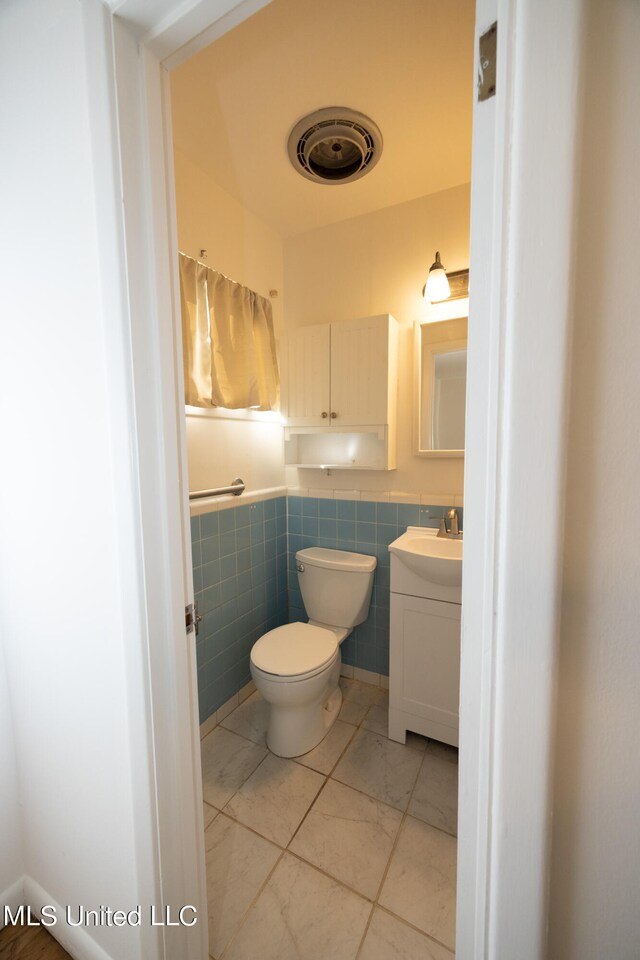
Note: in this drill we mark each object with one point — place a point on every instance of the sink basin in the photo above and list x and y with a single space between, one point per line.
430 557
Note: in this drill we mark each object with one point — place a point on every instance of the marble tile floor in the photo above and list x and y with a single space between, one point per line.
348 852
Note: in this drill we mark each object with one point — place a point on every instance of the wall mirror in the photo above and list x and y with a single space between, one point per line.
441 388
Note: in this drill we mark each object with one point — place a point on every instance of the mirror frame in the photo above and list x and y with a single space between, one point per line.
418 450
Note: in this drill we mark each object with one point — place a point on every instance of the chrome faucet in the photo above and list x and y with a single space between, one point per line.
453 533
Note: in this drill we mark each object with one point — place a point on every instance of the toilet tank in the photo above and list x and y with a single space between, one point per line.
336 586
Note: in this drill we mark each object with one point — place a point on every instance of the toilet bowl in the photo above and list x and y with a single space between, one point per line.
296 667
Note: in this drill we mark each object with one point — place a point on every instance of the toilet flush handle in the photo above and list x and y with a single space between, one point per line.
300 567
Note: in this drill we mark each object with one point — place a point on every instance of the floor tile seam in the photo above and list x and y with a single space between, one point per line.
369 795
344 750
237 819
251 905
412 926
371 686
307 811
241 785
394 847
453 836
330 876
358 704
365 931
384 878
208 734
413 790
256 833
415 781
256 743
253 770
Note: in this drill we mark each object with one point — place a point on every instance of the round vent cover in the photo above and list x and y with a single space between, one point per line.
334 145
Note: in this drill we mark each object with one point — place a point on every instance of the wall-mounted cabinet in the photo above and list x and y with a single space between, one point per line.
341 394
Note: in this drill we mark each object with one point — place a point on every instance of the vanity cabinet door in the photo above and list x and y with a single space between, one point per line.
308 375
360 372
424 681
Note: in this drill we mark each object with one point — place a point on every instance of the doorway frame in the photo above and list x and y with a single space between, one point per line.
510 617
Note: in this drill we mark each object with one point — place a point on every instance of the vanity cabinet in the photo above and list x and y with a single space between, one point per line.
424 648
424 668
340 394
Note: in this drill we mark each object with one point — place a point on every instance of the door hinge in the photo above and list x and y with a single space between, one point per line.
487 63
192 618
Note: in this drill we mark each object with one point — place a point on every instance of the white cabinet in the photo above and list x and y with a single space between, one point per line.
424 652
309 376
364 371
341 394
424 668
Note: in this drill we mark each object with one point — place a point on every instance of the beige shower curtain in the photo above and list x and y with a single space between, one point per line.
228 343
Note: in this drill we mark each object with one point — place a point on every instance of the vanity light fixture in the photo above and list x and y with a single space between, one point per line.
441 285
437 286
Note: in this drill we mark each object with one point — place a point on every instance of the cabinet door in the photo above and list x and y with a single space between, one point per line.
425 659
308 374
359 371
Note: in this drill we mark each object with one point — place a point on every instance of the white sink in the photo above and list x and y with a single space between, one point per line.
433 558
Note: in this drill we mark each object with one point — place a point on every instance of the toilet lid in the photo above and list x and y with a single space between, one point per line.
293 648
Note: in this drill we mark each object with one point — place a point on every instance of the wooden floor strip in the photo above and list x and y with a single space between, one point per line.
29 943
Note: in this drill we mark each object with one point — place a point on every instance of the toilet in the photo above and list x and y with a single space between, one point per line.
296 667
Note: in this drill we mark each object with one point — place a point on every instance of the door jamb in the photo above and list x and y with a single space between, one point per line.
494 458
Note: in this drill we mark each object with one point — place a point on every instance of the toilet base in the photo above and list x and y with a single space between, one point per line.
301 713
285 742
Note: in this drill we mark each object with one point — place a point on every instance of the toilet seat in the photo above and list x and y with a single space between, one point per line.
294 651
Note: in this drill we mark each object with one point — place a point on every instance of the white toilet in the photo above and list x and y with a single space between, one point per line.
296 667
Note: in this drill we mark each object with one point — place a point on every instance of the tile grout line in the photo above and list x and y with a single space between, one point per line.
454 836
326 777
253 901
376 902
412 926
389 858
381 887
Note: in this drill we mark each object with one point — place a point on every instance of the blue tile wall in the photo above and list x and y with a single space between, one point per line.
245 579
364 527
240 583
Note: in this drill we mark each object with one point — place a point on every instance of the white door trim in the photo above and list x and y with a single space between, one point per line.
521 248
512 509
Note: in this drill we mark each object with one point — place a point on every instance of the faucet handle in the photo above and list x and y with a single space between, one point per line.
442 529
453 516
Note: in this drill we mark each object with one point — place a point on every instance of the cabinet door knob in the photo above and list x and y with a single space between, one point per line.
333 415
324 414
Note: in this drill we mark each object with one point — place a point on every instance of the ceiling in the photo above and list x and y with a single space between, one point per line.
407 64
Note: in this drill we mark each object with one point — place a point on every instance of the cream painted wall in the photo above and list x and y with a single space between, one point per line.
376 264
596 838
244 248
219 450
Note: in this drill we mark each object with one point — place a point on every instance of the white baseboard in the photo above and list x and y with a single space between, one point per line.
227 707
75 940
366 676
12 897
208 726
246 691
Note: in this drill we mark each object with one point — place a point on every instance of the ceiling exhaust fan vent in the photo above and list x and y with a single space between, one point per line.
334 145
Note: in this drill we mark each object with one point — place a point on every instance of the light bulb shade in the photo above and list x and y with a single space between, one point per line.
437 286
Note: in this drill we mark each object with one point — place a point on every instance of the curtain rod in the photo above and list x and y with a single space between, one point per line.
209 267
272 293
